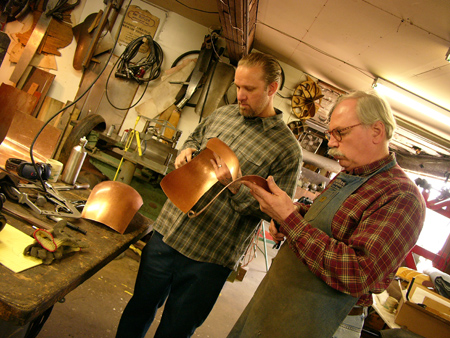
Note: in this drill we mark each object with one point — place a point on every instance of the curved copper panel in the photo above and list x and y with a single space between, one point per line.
258 180
255 179
113 204
185 185
226 154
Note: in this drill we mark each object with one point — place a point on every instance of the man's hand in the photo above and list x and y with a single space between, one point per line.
276 235
277 204
223 174
184 157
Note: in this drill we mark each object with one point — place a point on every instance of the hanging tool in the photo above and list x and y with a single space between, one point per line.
92 35
62 6
98 32
12 10
4 44
33 43
172 114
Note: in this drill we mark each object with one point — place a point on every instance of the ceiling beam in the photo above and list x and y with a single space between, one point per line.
238 20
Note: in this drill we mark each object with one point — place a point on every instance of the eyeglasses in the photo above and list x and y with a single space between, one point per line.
337 133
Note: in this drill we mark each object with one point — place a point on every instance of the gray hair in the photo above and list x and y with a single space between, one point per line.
269 65
370 108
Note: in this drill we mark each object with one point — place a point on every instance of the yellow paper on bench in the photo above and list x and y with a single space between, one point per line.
12 244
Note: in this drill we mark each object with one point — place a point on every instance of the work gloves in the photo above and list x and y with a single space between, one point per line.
53 244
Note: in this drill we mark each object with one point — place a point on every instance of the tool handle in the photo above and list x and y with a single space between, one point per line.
29 219
74 227
97 34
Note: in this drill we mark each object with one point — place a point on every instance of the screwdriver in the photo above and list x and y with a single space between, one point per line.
68 224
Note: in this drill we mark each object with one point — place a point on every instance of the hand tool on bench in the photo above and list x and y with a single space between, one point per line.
28 218
51 195
68 224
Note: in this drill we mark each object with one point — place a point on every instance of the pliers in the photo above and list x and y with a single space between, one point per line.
61 7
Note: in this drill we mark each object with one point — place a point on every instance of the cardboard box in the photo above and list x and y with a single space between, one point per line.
424 312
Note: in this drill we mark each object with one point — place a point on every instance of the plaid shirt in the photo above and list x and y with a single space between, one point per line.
373 230
221 234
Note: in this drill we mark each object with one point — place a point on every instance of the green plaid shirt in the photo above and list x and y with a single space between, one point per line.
221 234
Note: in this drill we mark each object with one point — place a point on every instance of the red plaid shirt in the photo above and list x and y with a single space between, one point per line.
373 230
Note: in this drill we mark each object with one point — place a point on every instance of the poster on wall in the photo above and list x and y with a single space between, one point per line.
138 22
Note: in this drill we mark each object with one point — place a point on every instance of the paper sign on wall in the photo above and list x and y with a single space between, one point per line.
138 22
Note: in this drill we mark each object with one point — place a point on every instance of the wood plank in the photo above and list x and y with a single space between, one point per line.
49 108
33 88
44 80
69 116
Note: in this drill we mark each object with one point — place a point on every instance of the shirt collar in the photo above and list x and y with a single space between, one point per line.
372 167
267 122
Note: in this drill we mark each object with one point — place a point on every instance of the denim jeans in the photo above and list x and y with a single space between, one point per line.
351 327
191 289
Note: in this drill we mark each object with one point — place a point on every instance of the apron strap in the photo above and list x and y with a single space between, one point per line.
320 214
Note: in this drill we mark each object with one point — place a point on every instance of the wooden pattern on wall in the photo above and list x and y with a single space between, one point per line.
238 20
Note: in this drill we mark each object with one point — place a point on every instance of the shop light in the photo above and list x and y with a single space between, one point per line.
413 101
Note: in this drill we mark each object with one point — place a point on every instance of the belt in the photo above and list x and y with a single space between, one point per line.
356 311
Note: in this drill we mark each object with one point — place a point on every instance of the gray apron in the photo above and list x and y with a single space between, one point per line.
291 301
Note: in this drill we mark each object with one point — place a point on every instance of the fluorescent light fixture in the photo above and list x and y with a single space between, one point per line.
412 101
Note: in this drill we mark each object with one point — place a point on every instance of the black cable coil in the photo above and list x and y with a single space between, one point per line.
151 64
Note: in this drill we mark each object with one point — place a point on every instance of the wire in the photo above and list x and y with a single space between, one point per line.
136 71
178 59
196 9
73 103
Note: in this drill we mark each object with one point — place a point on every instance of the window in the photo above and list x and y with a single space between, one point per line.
436 228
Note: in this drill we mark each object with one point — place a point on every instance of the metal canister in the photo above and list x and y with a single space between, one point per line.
124 137
110 131
74 163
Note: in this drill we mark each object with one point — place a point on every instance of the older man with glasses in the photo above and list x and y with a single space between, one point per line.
348 244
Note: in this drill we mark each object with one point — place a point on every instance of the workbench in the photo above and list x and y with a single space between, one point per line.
27 295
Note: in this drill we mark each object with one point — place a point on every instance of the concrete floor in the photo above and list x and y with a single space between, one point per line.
94 308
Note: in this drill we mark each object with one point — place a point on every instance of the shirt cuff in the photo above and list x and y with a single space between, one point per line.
294 222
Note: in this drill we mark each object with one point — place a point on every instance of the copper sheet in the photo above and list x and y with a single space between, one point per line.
12 100
185 185
113 204
19 136
255 179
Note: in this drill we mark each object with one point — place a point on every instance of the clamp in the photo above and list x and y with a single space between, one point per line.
53 196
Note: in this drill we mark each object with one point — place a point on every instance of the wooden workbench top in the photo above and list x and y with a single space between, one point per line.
26 295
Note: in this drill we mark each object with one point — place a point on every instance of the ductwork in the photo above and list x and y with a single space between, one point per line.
321 162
